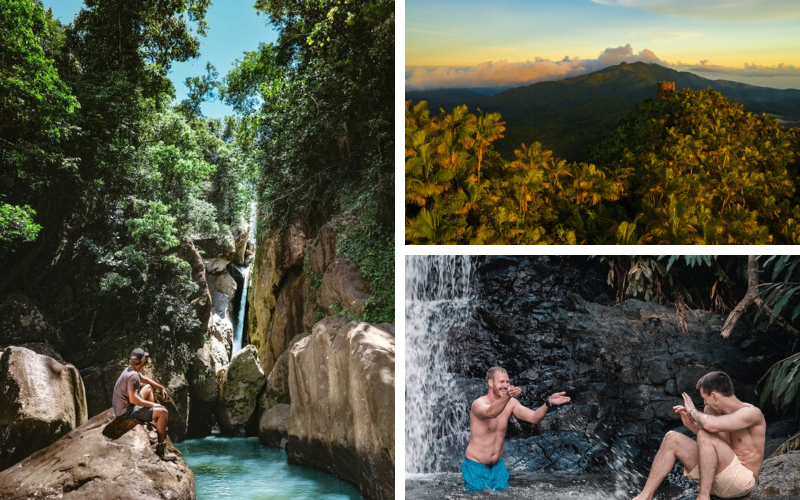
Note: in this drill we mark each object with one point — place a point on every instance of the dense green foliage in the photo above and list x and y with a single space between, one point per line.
318 108
102 180
696 169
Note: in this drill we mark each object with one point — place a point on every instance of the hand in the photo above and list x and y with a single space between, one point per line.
680 409
558 398
164 395
513 391
687 403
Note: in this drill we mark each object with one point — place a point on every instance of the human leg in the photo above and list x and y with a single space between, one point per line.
714 456
160 416
146 392
674 446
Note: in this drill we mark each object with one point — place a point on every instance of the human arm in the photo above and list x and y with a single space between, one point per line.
708 421
482 409
153 383
536 416
686 419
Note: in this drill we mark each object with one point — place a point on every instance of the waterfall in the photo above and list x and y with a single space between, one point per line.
437 299
238 334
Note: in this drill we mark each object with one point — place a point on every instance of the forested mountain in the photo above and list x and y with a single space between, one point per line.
568 116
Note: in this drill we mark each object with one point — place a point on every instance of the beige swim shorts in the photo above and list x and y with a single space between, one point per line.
734 482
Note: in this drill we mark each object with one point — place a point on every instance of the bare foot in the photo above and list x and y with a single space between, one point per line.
642 496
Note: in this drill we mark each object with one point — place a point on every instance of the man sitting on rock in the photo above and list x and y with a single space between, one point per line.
727 456
133 400
483 466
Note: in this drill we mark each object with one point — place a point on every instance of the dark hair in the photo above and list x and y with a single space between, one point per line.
493 370
719 382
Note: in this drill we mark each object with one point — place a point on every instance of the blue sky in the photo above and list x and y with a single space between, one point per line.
234 28
466 43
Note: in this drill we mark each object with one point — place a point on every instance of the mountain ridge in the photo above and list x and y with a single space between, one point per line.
589 105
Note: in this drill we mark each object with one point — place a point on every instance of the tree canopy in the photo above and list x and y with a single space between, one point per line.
696 169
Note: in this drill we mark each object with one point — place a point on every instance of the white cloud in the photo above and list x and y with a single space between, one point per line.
714 10
516 74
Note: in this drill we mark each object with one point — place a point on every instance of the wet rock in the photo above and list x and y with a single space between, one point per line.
40 401
85 465
779 478
241 384
273 427
223 289
341 382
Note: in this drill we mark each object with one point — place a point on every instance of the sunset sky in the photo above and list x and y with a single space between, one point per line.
466 43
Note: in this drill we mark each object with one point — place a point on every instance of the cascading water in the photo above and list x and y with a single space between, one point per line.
437 299
238 333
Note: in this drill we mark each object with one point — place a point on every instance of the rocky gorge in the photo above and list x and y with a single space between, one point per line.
308 378
555 325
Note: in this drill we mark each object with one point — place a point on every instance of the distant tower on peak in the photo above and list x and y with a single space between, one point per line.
666 90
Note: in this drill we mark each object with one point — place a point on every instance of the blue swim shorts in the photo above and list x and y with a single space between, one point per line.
478 476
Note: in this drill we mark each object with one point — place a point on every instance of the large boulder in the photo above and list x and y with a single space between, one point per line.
273 426
85 465
274 405
343 288
341 383
241 384
779 478
40 401
222 287
207 368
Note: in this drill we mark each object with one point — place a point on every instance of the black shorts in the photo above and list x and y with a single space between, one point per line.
143 414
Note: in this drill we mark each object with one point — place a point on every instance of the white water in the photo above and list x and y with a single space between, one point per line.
238 334
437 299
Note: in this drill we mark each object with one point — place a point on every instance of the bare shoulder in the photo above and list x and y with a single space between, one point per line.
750 410
480 401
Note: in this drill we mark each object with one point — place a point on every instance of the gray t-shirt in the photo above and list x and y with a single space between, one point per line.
130 380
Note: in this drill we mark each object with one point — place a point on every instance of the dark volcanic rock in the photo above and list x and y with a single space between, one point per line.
552 322
86 465
779 478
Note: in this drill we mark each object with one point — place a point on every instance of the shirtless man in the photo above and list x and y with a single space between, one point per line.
483 467
727 456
